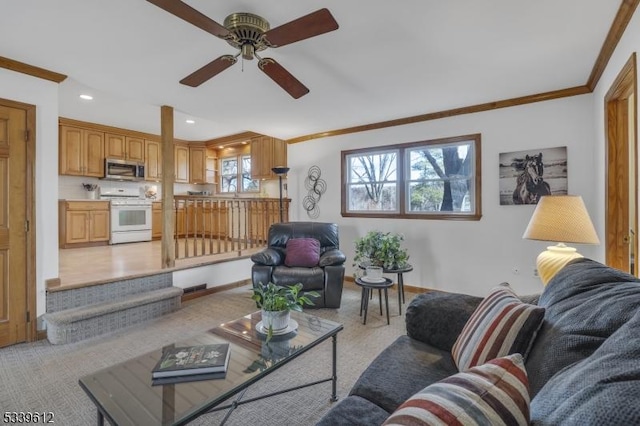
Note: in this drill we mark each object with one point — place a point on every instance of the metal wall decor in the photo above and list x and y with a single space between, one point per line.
316 188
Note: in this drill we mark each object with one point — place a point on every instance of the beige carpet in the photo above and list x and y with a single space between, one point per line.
43 377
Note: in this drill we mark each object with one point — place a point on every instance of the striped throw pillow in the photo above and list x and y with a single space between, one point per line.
501 325
494 393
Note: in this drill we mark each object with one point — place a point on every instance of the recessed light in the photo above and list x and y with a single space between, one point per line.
190 121
86 97
221 146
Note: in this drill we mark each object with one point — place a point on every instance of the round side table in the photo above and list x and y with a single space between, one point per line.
399 271
366 291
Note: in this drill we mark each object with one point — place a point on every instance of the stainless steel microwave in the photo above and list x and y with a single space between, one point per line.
115 169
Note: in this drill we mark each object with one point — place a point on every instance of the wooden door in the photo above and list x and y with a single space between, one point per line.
15 209
621 207
152 160
135 149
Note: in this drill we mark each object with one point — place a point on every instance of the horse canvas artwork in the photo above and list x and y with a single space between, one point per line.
526 176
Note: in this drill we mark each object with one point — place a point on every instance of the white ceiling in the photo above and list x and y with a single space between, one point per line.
387 60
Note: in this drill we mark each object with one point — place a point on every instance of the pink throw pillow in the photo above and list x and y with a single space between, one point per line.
303 252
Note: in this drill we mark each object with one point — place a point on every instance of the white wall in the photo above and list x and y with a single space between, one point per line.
214 275
629 43
44 94
463 256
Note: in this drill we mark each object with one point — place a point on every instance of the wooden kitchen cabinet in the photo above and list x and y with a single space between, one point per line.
152 160
81 152
156 220
83 223
124 147
181 160
197 164
267 153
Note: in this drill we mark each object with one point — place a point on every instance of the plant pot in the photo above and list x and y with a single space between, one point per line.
277 320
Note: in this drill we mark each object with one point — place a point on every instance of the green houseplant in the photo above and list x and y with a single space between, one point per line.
380 249
277 302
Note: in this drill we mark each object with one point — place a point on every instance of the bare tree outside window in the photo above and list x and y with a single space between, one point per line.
372 181
435 179
440 178
231 174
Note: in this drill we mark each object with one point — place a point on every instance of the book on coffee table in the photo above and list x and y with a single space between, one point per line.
192 360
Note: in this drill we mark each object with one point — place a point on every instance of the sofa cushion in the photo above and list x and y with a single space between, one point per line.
354 411
586 302
601 389
438 317
302 252
402 369
501 325
493 393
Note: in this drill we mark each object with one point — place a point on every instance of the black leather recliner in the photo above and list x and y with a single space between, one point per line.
326 278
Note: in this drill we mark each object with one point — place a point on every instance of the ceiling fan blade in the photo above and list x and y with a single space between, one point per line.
189 14
211 69
283 77
313 24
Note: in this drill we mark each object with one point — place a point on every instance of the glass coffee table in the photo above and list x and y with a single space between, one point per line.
125 394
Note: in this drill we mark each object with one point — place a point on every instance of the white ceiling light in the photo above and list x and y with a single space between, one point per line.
190 121
86 97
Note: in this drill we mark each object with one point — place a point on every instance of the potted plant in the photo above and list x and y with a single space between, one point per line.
277 302
380 249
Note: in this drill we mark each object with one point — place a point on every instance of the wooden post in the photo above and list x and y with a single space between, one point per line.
168 214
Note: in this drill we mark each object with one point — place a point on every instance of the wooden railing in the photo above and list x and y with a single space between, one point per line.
211 225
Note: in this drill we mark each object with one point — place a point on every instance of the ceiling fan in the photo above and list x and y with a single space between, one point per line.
251 34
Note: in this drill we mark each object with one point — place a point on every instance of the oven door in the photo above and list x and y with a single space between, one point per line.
130 223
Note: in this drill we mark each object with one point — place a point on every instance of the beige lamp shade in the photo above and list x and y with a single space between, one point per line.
563 219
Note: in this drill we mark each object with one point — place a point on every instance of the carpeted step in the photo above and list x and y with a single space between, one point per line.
72 325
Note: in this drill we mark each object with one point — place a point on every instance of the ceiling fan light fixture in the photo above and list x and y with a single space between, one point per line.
248 51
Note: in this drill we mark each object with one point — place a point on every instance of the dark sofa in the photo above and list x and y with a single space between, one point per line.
583 367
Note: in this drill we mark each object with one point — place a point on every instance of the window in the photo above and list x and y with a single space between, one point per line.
437 179
234 170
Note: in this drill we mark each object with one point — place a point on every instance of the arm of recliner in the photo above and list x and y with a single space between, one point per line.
331 257
334 279
268 256
261 274
437 318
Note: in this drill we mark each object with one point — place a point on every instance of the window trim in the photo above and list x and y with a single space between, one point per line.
402 181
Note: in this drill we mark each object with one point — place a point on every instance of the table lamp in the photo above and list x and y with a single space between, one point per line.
563 219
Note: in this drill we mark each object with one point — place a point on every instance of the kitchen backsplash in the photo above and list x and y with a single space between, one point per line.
70 187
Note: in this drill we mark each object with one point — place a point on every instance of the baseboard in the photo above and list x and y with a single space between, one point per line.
52 283
207 291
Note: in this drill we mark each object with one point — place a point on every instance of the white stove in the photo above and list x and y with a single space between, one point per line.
130 215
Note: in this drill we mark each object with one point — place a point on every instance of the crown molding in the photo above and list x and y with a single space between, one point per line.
31 70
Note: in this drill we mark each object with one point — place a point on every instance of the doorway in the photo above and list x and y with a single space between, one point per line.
621 199
17 236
